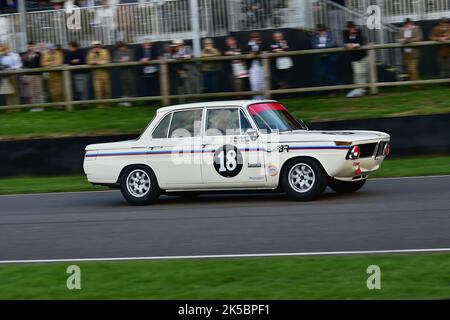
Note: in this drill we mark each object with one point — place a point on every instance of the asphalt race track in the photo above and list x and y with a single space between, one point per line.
386 214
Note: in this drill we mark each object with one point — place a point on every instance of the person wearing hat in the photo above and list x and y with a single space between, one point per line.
409 33
211 69
441 33
323 39
353 39
101 79
50 59
187 77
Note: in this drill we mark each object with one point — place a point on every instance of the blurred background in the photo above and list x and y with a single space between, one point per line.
94 71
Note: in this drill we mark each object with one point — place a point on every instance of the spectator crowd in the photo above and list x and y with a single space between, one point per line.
187 77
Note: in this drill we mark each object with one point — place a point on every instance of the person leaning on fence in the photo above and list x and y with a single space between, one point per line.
124 54
408 34
324 39
97 55
53 58
5 85
239 69
283 64
32 59
147 52
353 39
257 81
76 57
187 77
211 69
9 86
442 33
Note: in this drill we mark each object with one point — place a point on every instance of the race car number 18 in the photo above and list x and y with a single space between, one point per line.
228 161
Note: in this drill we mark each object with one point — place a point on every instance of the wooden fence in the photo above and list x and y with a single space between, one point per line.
165 96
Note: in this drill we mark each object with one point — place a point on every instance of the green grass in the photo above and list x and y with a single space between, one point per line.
418 166
400 167
417 276
46 184
393 102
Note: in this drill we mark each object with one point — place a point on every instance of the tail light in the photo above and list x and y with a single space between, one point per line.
354 153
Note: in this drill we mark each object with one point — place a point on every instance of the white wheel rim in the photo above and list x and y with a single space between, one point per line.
138 183
301 177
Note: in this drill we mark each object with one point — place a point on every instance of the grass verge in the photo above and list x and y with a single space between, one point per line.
415 276
401 167
393 102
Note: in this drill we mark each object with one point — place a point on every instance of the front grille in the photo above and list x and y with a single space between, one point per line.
380 149
367 150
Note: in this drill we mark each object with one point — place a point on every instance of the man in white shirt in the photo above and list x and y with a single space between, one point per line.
11 61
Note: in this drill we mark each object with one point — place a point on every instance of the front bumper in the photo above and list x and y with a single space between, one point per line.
360 169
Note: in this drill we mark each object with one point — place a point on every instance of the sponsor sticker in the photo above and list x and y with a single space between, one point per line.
272 170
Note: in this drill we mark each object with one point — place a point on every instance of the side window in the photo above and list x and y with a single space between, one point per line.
161 130
222 122
186 124
245 124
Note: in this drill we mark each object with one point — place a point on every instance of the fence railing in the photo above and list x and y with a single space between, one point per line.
394 11
335 17
165 95
160 20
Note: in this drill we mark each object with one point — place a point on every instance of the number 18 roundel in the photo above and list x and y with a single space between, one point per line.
228 161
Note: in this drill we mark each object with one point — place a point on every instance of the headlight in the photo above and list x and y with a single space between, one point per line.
387 149
354 153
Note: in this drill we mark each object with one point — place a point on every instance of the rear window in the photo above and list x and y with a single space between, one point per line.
160 131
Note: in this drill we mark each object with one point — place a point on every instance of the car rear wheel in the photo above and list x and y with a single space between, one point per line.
346 187
139 185
303 179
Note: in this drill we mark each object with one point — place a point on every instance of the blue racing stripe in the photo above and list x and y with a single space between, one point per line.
162 152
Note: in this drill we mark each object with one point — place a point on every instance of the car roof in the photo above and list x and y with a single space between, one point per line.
213 104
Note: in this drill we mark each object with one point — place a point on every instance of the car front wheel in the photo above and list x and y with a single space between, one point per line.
139 185
303 179
346 187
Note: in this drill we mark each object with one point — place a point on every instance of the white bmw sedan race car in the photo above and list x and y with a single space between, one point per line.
234 145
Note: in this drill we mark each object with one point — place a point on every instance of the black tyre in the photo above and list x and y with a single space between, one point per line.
346 187
139 185
303 179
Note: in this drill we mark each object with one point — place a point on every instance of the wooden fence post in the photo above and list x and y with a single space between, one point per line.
68 95
267 75
164 82
373 72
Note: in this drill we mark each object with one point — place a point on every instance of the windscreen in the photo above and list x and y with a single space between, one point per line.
273 116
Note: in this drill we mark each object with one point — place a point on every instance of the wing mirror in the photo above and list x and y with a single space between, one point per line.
252 133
